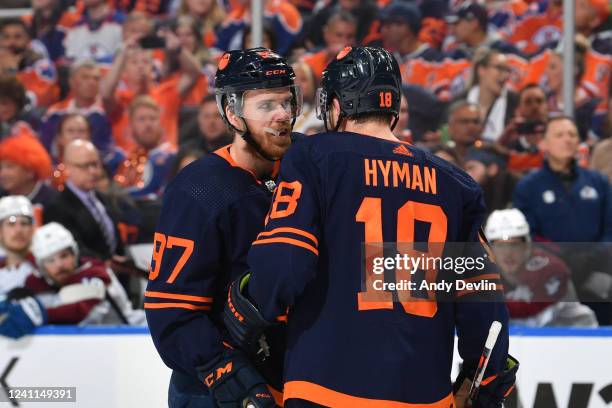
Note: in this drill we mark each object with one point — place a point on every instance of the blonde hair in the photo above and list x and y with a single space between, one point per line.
213 18
143 101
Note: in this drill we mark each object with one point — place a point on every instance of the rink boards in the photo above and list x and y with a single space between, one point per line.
119 367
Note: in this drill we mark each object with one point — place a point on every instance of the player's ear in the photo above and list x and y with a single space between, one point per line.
334 113
233 119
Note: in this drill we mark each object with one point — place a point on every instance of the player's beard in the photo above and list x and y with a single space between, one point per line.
275 139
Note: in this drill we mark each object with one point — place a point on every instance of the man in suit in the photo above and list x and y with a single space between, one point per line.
83 210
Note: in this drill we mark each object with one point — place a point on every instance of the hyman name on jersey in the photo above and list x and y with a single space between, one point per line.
391 173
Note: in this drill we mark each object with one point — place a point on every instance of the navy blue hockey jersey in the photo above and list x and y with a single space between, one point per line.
211 213
337 191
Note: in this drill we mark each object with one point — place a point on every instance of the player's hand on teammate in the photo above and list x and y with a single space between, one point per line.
235 383
492 393
243 321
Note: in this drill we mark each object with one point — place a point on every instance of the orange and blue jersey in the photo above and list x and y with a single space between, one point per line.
337 192
533 32
53 39
95 40
212 211
283 17
40 80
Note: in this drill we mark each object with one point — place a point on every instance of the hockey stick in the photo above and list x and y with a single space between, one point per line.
483 362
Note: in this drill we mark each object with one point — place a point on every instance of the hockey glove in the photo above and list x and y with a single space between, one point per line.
235 383
494 389
242 319
22 317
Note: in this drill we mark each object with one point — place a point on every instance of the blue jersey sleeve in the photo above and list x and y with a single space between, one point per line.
181 288
476 310
283 258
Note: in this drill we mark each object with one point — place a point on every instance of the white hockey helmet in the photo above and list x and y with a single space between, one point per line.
50 239
15 205
506 224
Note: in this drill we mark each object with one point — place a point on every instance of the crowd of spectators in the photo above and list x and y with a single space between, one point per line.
102 102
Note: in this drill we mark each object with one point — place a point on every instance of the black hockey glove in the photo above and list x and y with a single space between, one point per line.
243 321
493 390
235 383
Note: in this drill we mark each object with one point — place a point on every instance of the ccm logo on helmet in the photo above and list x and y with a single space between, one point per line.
276 72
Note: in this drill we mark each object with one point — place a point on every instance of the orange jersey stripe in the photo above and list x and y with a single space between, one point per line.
289 241
277 395
177 296
324 396
174 306
292 231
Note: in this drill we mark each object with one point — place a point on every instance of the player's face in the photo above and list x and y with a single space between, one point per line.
60 266
269 114
16 233
511 254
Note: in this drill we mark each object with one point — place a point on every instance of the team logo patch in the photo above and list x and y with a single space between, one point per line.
343 53
548 197
588 193
267 54
223 62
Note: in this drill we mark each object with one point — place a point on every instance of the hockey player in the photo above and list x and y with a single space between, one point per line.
539 291
66 289
337 190
16 229
211 213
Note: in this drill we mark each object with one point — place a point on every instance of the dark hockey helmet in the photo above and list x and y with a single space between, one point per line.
364 80
240 71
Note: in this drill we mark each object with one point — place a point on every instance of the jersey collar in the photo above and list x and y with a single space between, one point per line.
224 153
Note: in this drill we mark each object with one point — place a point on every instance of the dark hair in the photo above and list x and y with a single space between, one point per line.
446 149
69 116
531 85
267 30
180 155
15 21
209 98
12 89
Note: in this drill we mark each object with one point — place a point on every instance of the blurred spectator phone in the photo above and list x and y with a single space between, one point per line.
530 127
152 41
